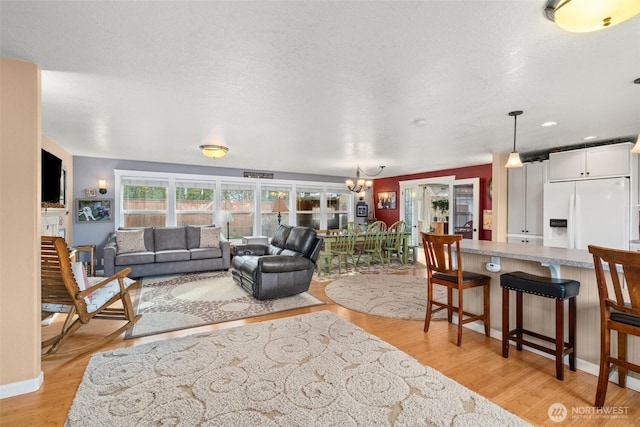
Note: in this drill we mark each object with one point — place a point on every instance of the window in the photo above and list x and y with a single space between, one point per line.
245 205
337 209
144 202
195 203
269 219
308 207
239 201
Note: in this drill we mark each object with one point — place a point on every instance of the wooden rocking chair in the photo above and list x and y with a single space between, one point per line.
81 298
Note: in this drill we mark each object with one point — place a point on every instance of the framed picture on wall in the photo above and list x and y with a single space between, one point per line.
362 210
93 210
387 200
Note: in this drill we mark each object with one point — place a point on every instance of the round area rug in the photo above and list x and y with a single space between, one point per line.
387 295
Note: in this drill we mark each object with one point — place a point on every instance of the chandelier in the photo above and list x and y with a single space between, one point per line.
358 185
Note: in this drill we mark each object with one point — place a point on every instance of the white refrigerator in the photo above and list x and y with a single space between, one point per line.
582 213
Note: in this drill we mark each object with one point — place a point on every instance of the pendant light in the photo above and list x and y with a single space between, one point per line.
358 184
514 157
636 148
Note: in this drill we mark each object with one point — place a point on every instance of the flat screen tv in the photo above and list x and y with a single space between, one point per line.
52 179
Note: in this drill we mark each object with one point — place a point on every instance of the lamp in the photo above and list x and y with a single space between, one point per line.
358 185
102 186
280 206
214 151
514 157
225 216
581 16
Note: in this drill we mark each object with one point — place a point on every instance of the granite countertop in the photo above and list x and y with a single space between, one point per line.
542 254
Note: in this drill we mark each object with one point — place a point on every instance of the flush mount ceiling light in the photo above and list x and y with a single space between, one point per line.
514 158
214 151
358 185
549 124
581 16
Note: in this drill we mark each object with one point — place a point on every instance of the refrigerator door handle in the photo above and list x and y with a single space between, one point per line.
577 218
571 226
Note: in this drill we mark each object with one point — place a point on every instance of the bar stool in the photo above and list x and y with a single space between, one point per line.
558 289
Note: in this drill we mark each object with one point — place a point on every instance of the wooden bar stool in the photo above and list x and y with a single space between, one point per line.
558 289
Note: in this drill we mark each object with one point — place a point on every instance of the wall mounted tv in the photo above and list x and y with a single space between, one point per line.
53 178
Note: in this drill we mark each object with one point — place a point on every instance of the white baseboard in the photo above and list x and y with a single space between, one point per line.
21 387
591 368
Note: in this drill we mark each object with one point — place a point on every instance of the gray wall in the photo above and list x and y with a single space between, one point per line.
88 170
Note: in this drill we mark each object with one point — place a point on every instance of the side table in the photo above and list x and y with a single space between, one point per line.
91 265
255 240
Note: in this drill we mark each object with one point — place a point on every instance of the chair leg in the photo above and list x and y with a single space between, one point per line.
622 355
487 310
449 305
572 333
559 339
460 315
519 320
603 375
505 322
427 319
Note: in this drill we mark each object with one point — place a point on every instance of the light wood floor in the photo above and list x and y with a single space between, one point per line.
524 384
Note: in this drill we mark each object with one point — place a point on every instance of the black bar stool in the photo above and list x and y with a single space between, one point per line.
558 289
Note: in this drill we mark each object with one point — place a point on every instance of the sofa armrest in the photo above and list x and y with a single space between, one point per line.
110 252
283 264
255 250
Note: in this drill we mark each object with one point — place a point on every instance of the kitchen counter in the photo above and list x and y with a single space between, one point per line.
539 313
545 255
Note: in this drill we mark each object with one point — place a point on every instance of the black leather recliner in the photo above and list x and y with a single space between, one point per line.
282 268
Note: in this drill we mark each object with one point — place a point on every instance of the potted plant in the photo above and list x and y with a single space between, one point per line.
442 206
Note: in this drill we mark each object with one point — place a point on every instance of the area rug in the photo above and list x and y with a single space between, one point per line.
363 269
388 295
308 370
169 303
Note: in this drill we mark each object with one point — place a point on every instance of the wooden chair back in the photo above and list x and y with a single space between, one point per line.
442 253
618 270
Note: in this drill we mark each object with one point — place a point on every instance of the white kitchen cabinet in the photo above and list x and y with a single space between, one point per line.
524 203
595 162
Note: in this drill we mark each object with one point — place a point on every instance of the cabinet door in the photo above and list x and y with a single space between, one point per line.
535 180
608 160
566 165
516 201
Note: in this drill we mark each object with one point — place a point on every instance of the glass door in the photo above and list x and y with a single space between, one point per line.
465 208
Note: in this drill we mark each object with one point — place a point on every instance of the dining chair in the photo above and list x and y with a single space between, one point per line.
444 267
372 245
616 270
344 247
393 243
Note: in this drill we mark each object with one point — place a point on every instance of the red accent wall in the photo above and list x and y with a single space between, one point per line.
389 216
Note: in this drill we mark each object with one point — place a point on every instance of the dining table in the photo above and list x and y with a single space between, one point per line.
330 238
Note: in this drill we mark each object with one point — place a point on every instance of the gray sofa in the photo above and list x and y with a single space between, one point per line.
280 269
165 250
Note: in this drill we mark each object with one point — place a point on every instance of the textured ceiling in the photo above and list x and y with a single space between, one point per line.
319 87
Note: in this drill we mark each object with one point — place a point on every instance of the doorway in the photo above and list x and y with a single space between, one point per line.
443 205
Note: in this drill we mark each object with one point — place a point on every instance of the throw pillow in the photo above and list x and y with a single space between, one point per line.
210 237
130 241
80 274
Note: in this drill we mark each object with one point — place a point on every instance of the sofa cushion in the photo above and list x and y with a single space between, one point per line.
302 240
170 238
130 241
273 250
173 255
210 237
193 235
135 258
280 237
148 236
205 253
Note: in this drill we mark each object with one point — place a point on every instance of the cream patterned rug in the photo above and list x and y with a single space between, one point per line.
375 268
173 302
388 295
309 370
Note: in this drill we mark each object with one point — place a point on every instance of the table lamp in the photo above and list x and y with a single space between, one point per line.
225 216
280 206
